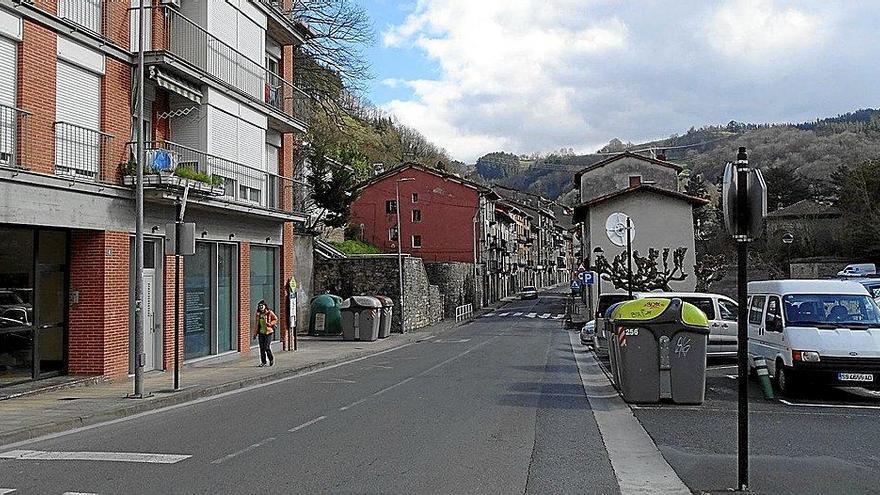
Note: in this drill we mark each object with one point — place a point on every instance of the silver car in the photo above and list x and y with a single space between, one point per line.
528 292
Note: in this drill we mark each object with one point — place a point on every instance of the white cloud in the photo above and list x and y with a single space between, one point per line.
530 75
761 31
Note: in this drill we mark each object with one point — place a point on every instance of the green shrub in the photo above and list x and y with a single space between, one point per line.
356 247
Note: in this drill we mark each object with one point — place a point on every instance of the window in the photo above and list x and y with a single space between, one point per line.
77 121
264 266
773 312
416 241
249 194
415 197
416 216
831 309
728 310
392 234
756 309
391 206
704 303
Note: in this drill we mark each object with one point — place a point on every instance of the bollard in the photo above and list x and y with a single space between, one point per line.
764 377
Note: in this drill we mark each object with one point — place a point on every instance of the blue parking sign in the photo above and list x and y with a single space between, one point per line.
588 278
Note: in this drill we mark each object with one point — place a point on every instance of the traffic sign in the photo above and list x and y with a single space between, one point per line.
588 278
575 285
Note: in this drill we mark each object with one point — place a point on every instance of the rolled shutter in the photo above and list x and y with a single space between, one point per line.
78 121
7 72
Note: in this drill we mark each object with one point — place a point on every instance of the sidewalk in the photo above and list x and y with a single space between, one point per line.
34 415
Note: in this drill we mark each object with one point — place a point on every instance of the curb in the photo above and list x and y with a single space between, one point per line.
187 395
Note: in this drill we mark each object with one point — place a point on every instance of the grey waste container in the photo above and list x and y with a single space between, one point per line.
613 359
360 318
660 349
385 320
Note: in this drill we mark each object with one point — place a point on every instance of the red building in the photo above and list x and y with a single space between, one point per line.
443 216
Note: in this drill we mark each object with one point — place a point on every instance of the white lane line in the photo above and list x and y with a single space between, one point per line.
145 458
391 387
307 424
725 367
76 493
345 408
426 337
4 491
336 381
243 451
531 315
829 406
518 314
635 459
203 399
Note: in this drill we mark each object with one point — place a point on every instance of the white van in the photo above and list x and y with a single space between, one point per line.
815 331
720 310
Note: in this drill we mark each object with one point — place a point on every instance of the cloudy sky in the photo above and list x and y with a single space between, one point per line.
522 76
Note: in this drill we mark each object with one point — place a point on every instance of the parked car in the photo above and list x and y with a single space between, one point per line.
528 292
721 311
824 332
588 331
858 270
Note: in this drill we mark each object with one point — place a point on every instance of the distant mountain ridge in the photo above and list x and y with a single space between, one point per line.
812 149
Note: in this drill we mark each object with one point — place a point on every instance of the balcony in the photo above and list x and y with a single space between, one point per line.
13 137
80 153
284 23
169 165
194 52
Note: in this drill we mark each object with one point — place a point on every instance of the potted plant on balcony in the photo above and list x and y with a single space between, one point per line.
163 170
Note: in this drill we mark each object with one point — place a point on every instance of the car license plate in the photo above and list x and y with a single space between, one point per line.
855 377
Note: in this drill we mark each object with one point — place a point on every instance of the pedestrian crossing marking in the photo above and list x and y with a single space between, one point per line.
544 316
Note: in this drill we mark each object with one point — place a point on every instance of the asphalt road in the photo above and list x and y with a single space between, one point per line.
495 406
825 442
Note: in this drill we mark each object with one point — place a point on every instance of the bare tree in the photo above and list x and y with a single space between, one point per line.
647 274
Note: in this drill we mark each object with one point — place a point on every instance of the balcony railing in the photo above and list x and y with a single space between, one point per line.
293 13
88 14
13 137
242 184
193 44
80 152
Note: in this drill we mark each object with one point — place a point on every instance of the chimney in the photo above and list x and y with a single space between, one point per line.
635 180
661 155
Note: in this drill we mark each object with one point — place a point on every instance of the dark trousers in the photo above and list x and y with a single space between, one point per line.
265 350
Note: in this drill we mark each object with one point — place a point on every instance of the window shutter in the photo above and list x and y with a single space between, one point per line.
78 108
7 72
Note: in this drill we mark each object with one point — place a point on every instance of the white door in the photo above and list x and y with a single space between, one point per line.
773 335
150 319
758 345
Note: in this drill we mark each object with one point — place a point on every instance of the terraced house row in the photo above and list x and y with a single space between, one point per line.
221 107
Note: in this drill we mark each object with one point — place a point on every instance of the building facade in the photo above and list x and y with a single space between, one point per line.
221 115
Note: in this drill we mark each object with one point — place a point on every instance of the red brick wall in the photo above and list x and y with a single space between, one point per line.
117 19
116 116
98 328
447 226
244 301
36 92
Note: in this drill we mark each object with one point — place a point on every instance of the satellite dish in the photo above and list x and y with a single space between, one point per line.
615 228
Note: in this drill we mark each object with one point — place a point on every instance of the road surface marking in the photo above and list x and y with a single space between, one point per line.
380 366
146 458
531 315
380 392
336 381
307 424
558 317
203 399
243 451
831 406
503 314
518 314
723 367
545 316
77 493
487 315
4 491
453 341
638 465
344 408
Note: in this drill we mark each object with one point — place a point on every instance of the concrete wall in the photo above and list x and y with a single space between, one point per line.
615 176
456 284
379 276
303 255
659 221
816 269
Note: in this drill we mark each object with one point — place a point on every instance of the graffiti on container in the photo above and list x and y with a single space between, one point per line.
682 346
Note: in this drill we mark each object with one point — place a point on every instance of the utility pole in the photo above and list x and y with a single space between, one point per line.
742 335
139 220
629 257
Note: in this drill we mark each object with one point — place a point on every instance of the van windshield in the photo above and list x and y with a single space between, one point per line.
831 309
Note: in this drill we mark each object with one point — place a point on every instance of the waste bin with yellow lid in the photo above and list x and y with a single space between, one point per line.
660 350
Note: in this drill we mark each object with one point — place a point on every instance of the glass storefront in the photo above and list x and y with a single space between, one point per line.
33 303
210 300
264 279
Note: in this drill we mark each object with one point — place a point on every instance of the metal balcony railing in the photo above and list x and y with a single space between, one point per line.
14 137
88 14
242 183
293 13
193 44
80 152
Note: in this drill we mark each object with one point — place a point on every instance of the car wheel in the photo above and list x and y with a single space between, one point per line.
786 381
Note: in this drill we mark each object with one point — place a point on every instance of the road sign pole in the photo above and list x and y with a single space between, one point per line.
177 233
629 258
742 247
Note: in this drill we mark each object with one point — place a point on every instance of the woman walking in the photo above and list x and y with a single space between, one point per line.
266 322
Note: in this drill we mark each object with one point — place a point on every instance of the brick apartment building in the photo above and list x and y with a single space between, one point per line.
219 101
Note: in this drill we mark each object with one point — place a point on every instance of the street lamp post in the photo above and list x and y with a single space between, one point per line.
139 219
400 252
788 239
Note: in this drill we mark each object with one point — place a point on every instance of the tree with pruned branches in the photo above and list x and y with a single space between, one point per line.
648 274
